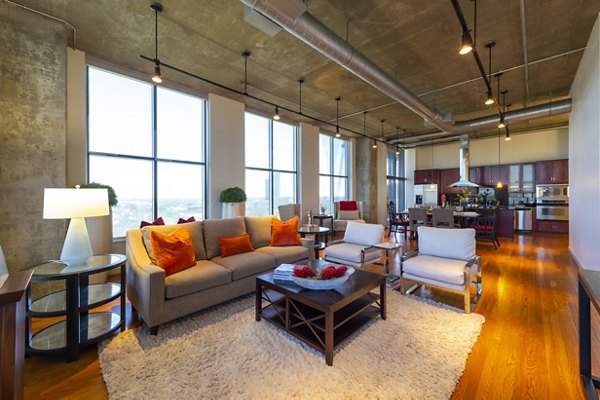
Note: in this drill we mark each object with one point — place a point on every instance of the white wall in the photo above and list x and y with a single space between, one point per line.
551 144
308 169
226 160
584 159
409 172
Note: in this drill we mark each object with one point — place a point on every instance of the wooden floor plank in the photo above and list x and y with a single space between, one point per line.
527 348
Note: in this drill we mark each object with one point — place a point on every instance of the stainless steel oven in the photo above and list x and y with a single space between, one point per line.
556 212
552 193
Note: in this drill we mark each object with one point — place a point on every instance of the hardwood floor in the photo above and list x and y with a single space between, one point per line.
527 348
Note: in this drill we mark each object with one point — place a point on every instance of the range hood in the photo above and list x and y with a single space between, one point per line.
464 164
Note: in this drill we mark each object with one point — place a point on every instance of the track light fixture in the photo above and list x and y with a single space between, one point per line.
397 150
276 116
337 117
490 97
507 137
467 44
501 124
157 76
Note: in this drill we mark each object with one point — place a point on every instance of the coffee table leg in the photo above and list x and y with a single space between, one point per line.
382 300
329 338
258 307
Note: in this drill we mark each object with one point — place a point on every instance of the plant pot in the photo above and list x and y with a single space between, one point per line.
100 230
231 210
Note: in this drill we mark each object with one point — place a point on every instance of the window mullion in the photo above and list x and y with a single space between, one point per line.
154 152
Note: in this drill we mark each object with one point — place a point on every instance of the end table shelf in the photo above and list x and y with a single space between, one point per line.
81 327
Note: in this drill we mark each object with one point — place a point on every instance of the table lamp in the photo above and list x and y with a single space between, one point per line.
75 204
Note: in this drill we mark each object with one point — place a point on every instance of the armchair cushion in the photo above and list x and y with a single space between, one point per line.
350 253
439 269
348 215
364 234
458 244
203 275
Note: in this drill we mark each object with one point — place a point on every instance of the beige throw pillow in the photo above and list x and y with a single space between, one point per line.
348 215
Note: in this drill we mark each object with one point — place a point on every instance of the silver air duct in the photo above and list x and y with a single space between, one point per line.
312 32
464 164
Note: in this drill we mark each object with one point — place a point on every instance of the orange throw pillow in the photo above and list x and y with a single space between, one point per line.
235 245
285 233
175 251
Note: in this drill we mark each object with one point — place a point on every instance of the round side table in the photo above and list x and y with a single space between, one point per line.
81 327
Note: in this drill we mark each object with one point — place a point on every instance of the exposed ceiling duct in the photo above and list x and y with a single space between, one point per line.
312 32
463 180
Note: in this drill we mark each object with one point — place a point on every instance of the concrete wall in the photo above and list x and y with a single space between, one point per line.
308 169
33 134
409 172
226 159
584 159
76 118
381 185
552 144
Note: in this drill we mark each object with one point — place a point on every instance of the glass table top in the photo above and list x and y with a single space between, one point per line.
93 264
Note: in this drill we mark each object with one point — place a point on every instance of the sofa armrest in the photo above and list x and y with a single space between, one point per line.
310 245
410 254
145 281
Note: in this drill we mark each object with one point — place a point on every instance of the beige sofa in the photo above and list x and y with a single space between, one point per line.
214 279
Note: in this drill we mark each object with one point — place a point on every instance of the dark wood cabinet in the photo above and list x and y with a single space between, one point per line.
505 222
553 226
552 171
447 177
427 176
494 173
521 178
476 175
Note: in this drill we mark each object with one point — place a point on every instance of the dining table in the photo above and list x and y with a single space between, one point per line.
462 217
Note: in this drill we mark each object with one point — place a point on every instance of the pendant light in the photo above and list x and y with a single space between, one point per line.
156 77
507 137
337 117
397 148
502 124
276 116
300 82
499 184
490 97
466 43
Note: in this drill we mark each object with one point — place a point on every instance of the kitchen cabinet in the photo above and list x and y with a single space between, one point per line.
553 226
476 175
494 173
427 176
447 177
521 178
505 223
552 171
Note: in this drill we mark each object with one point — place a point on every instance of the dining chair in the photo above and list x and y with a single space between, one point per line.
417 217
485 228
397 220
442 218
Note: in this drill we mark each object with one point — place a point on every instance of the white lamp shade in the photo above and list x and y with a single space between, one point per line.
75 203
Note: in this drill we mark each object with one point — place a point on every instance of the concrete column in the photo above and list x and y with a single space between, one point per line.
33 134
308 169
366 178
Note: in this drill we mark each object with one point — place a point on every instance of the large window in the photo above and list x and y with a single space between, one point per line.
270 164
333 171
395 178
148 143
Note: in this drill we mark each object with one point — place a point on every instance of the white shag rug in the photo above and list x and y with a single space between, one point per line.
418 352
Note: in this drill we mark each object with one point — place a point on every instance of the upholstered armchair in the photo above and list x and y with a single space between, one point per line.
345 211
289 211
446 258
356 248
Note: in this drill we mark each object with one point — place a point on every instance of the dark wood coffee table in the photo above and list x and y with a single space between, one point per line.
321 318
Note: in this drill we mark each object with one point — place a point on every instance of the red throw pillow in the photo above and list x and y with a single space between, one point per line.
285 233
235 245
185 221
351 205
174 252
157 221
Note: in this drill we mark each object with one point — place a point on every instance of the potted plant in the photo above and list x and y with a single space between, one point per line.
100 229
233 200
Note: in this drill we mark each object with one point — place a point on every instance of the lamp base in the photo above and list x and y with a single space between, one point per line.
76 248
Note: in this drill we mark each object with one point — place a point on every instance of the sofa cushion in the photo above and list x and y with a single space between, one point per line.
247 264
259 229
174 252
203 275
235 245
285 254
365 234
446 270
447 243
195 229
215 228
350 252
285 233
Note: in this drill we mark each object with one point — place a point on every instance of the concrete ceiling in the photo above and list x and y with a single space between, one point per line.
414 41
